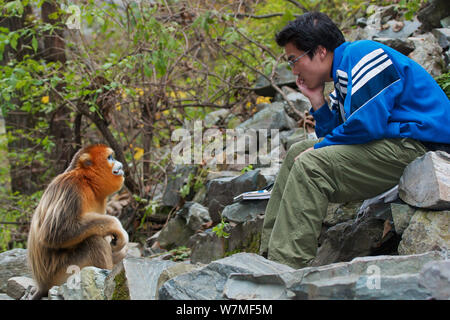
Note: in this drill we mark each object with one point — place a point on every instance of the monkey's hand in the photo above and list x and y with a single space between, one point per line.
119 239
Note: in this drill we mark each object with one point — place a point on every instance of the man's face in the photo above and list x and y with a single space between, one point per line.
311 72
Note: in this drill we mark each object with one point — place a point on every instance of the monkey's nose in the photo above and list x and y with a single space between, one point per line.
117 169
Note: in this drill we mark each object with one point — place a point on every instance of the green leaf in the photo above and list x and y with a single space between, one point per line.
34 44
14 37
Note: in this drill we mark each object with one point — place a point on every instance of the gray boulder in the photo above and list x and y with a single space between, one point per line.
18 286
220 192
207 246
399 29
428 53
177 178
175 233
443 37
208 282
397 287
272 117
435 276
244 210
378 277
283 77
13 263
356 238
401 214
427 230
431 14
88 284
425 182
404 46
195 215
142 276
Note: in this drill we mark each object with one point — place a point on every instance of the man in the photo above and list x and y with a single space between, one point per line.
386 111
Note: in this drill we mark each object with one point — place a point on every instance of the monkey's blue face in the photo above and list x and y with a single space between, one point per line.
116 166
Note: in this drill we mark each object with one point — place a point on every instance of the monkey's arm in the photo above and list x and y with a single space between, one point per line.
90 224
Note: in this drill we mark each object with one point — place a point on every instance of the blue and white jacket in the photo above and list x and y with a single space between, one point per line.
380 93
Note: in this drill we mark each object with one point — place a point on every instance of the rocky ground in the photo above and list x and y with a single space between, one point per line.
394 246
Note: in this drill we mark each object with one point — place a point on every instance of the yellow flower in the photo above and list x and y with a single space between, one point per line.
118 106
262 99
45 99
140 91
139 153
249 104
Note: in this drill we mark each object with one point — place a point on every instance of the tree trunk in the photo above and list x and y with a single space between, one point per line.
54 51
24 178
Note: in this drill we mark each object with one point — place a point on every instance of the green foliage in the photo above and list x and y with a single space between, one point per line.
247 168
194 182
180 253
444 82
15 213
219 229
410 7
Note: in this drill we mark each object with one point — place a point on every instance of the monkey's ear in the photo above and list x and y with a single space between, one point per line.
85 160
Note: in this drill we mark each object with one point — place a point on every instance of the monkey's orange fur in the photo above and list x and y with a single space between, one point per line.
70 225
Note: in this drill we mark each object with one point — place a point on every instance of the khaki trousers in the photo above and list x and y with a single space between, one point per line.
341 173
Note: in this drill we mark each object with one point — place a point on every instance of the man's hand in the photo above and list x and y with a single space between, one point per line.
309 149
315 95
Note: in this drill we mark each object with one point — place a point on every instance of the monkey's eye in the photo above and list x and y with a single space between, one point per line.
110 158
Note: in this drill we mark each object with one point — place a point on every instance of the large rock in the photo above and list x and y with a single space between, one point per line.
142 276
246 236
249 276
399 29
272 117
195 215
356 238
428 53
283 77
379 277
88 284
398 287
174 271
432 13
178 177
435 276
220 192
208 282
425 183
244 210
18 286
175 233
427 230
404 46
13 263
401 214
443 37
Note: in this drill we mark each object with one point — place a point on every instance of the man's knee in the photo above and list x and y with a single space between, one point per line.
297 148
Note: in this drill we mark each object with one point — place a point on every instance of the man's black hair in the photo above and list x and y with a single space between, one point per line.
309 31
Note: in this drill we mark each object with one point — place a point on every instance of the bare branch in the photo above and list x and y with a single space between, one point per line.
297 4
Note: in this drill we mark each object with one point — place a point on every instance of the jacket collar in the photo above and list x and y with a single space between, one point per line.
337 58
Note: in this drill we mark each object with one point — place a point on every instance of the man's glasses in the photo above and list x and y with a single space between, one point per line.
292 62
